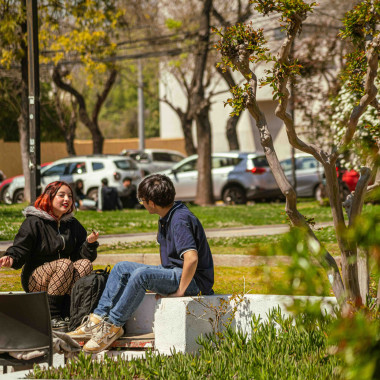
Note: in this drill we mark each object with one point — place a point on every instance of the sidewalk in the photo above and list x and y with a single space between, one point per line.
272 229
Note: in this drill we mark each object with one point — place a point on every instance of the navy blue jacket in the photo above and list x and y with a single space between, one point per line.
180 231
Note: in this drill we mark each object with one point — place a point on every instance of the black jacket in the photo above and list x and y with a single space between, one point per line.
41 239
109 199
128 196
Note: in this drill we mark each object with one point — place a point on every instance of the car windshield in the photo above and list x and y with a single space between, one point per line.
55 170
188 166
125 165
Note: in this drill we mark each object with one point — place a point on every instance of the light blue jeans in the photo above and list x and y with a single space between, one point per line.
127 284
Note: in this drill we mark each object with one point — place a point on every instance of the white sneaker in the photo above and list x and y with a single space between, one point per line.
89 322
103 336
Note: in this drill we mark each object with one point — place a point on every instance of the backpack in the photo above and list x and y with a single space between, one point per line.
85 295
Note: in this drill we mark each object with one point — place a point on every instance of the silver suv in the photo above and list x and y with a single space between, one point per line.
90 169
153 160
237 177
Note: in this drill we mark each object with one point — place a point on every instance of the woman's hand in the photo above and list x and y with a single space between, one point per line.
93 237
6 261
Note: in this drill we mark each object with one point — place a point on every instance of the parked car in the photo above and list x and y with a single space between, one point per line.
153 160
4 187
237 177
310 176
90 169
6 183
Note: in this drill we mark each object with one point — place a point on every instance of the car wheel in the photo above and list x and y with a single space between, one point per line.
234 195
3 194
18 196
93 194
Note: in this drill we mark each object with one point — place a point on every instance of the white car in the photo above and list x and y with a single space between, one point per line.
90 169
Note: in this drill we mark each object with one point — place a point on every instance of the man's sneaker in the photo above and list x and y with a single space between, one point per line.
58 324
103 336
89 323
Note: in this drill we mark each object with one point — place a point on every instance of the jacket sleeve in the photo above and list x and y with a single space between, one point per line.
24 243
83 249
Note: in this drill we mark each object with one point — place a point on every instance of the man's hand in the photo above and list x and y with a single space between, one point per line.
177 293
6 262
93 237
190 262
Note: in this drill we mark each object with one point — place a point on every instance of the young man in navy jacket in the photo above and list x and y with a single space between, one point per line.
186 267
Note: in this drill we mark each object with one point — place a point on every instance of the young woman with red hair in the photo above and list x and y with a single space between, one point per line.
53 249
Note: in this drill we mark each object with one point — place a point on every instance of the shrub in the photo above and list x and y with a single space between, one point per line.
279 348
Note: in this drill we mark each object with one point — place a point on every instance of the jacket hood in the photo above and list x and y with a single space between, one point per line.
31 210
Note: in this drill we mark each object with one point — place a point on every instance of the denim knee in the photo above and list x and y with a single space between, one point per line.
139 276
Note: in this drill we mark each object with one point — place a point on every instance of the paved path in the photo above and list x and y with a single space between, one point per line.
273 229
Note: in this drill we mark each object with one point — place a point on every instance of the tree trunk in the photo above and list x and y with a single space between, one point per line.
231 132
70 148
363 273
232 122
70 132
90 123
348 250
67 128
97 139
187 124
204 186
23 120
200 108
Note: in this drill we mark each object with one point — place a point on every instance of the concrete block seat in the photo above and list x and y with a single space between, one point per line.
176 323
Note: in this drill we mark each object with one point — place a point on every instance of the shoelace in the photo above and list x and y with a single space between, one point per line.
101 329
86 321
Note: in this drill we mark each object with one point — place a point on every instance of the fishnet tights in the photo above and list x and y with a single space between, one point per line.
58 277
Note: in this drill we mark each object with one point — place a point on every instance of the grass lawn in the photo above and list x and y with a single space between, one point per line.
242 245
256 280
133 221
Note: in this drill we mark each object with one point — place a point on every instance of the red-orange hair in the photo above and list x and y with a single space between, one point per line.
45 201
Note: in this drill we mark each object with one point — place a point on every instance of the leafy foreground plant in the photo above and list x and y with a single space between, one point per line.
279 348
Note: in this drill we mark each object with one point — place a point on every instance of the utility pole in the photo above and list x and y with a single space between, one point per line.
34 100
141 121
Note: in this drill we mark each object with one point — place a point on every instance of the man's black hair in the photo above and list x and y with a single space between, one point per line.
127 179
105 181
157 188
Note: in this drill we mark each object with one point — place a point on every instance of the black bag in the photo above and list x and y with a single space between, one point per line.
85 295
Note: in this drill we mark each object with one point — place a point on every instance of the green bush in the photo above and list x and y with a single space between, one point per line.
279 348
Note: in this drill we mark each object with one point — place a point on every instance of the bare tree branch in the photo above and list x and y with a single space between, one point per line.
103 96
